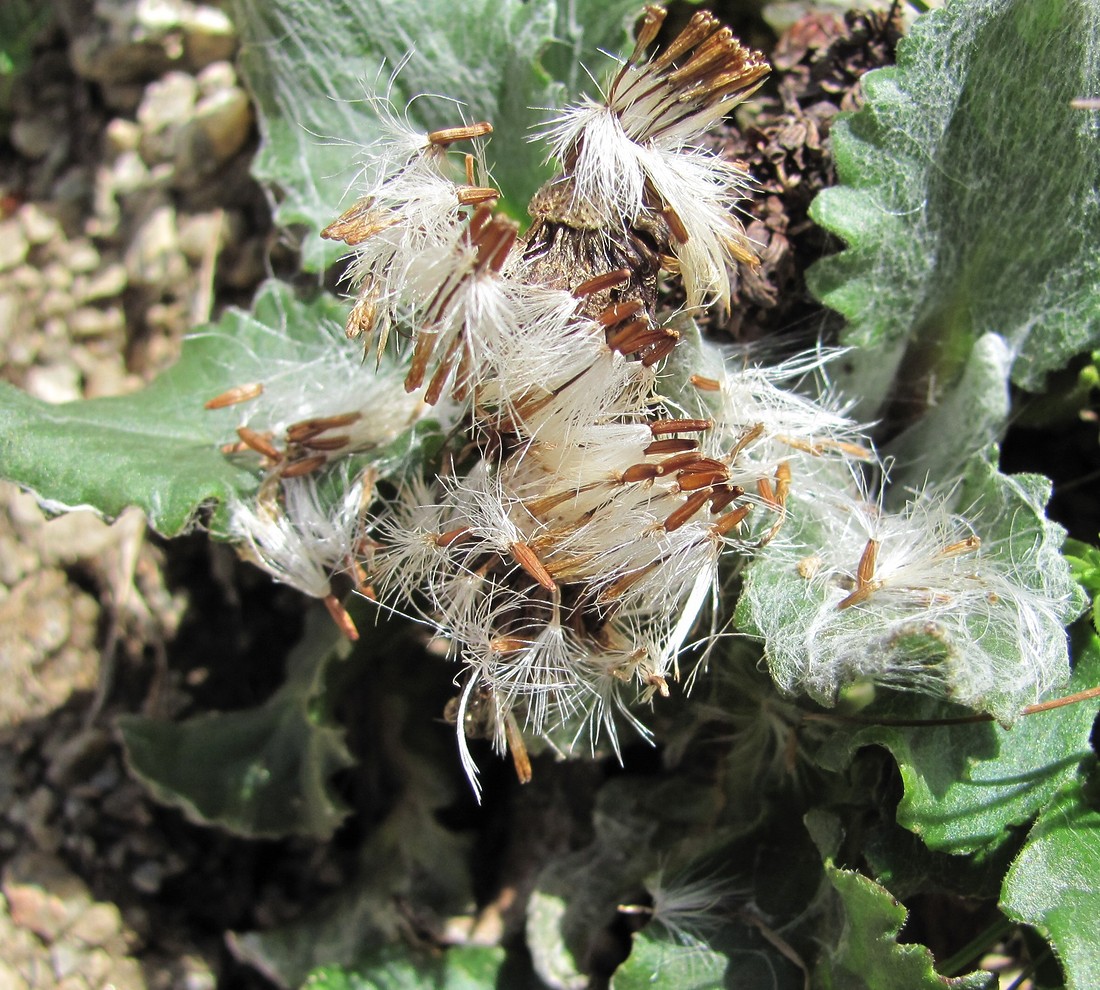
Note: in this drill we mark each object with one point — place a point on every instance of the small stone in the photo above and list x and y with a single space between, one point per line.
98 925
91 322
67 959
10 978
121 135
43 895
53 383
147 877
57 276
153 257
36 137
208 35
125 974
225 119
39 227
106 283
215 78
13 244
198 231
168 104
81 256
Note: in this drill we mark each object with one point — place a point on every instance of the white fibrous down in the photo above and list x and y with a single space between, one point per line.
601 463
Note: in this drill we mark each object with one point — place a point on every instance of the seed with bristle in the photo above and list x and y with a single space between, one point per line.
235 395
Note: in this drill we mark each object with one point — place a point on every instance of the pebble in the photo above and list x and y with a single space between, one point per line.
39 225
88 321
36 137
105 283
153 258
167 106
121 135
53 383
224 119
13 244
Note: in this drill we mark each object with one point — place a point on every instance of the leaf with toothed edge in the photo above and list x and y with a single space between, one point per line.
309 65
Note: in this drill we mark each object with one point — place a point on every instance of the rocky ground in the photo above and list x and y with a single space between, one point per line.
127 216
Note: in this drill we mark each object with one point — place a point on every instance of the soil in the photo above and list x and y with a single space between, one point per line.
115 239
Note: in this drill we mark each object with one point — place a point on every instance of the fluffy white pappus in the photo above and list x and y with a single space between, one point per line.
618 180
912 600
689 908
749 394
533 670
596 458
658 572
702 192
409 533
307 539
327 381
611 388
510 338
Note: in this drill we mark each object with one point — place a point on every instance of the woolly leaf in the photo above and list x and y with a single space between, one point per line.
160 449
966 785
309 65
968 197
990 636
408 855
399 968
863 952
273 762
1055 883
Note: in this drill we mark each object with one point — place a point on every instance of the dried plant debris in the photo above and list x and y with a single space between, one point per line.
783 140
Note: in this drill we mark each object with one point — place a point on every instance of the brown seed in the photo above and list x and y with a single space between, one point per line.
692 504
662 427
640 472
307 465
232 396
723 495
259 442
338 442
618 312
472 195
307 429
448 135
529 561
340 617
968 545
672 446
731 520
452 536
705 384
600 283
690 481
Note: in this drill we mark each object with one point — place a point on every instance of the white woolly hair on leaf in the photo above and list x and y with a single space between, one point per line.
307 539
942 616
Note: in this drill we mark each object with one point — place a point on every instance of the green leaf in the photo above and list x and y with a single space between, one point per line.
409 857
262 772
310 65
863 951
968 195
1055 883
159 448
399 968
986 645
966 785
664 965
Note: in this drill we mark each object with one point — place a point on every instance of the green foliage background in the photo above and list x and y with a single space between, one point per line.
970 211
